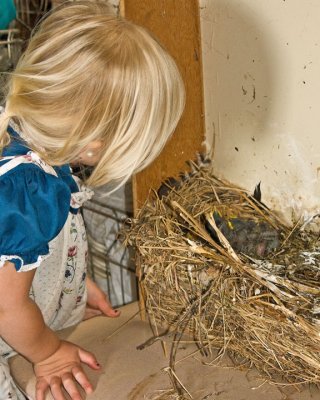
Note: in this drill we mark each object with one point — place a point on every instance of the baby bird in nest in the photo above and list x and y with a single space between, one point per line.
254 238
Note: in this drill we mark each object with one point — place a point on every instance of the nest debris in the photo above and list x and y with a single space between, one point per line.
263 311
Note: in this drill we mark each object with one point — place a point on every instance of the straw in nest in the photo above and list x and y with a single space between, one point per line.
263 310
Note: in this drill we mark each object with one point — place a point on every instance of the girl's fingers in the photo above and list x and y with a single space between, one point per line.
88 358
107 309
41 388
82 379
70 386
56 388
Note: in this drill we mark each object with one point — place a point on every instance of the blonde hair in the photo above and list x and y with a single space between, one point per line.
87 76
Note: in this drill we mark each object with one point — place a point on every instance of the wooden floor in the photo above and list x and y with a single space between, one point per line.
131 374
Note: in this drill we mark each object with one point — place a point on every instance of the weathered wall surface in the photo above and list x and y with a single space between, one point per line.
262 88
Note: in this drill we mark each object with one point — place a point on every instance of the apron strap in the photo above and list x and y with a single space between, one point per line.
30 157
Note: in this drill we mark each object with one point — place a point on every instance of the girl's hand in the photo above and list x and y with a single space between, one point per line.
62 370
98 302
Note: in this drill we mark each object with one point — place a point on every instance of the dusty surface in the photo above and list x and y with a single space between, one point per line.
131 374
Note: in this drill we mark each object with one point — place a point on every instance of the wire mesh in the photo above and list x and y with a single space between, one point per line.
111 263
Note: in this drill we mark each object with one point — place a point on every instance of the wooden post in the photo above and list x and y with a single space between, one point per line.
177 26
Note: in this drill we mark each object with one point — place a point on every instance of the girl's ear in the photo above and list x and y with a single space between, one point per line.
91 154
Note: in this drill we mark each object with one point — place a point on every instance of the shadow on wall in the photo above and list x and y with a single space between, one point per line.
239 83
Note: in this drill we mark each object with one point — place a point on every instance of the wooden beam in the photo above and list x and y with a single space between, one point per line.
176 24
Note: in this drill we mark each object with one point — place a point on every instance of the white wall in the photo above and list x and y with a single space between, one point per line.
261 62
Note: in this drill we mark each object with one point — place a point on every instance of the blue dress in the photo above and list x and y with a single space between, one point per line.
34 206
40 227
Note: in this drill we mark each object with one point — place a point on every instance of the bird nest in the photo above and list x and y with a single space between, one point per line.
217 264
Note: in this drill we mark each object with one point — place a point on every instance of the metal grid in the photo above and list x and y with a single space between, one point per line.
110 263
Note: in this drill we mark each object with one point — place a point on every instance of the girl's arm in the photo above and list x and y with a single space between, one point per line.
57 363
21 321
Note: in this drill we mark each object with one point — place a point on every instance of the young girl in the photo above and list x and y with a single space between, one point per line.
90 88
